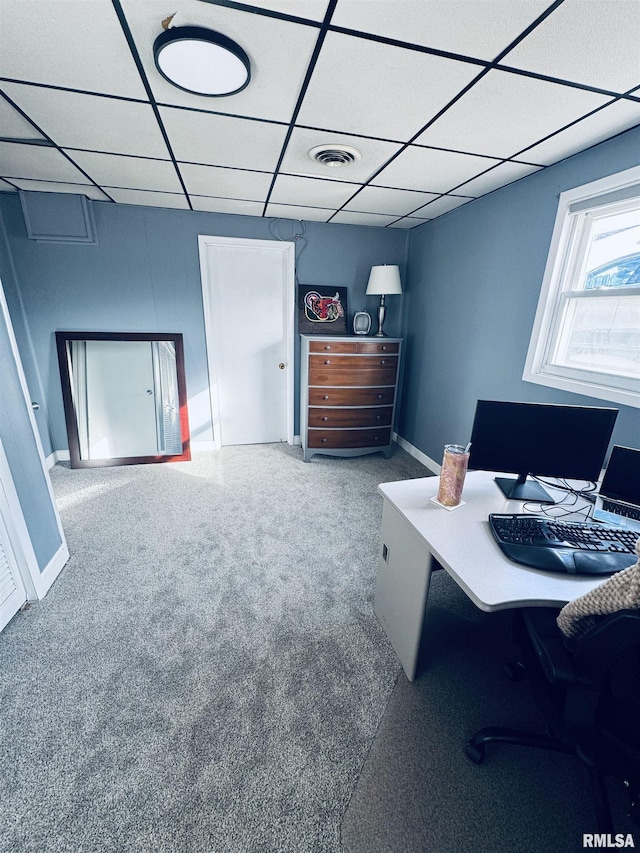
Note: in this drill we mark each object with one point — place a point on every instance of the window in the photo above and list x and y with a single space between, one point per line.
586 335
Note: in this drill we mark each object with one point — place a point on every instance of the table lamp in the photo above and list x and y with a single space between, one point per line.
383 281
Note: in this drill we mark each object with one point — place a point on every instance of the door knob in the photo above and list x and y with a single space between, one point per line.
281 365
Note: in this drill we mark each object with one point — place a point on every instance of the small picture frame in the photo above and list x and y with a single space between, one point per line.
361 323
322 310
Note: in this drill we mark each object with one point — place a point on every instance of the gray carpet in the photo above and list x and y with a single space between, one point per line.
418 792
207 673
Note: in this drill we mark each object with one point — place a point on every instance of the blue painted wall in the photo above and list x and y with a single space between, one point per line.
472 280
471 294
144 275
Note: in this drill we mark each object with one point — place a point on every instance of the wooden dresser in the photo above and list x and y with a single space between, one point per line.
348 391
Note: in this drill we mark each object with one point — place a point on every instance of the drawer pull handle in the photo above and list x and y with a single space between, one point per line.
379 396
326 397
328 346
377 417
375 437
325 418
324 439
328 361
382 361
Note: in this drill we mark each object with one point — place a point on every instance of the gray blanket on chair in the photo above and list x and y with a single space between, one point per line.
619 592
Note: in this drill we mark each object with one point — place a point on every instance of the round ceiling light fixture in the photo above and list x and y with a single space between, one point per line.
201 61
334 155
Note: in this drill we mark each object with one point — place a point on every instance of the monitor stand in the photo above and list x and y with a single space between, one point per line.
524 490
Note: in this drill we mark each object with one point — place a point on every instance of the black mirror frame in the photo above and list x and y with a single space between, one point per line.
62 338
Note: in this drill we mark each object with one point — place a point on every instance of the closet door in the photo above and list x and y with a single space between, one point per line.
12 591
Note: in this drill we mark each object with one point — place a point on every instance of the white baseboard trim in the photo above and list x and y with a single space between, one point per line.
206 446
203 446
427 461
56 564
57 456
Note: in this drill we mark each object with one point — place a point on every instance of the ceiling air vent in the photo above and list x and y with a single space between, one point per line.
334 155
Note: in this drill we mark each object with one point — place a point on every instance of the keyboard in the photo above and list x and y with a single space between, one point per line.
621 509
580 548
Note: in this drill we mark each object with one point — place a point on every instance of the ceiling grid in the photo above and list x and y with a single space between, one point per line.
445 101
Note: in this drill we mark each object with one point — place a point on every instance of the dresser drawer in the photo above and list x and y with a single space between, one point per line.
377 346
352 362
344 376
380 416
334 346
349 437
351 396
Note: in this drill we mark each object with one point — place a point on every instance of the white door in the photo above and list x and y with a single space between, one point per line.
248 304
12 591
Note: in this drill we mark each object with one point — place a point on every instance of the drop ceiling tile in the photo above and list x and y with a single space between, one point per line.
314 192
116 170
595 44
313 10
7 188
227 205
607 122
279 53
89 190
430 170
223 141
375 154
75 44
13 125
351 217
90 121
442 205
299 213
226 183
521 110
38 162
390 201
147 198
502 175
481 30
408 222
365 87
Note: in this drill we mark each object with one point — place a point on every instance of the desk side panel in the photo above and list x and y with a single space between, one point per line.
402 585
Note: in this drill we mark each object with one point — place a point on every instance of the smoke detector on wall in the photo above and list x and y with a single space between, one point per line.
334 155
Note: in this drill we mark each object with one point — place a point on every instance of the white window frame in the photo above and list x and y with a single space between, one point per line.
556 285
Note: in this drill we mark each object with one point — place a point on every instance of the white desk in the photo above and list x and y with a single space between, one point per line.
415 530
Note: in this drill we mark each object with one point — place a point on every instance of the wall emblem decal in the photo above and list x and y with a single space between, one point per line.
322 310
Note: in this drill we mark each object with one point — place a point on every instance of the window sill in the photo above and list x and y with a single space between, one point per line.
588 389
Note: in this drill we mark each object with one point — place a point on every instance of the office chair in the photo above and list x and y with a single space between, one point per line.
589 695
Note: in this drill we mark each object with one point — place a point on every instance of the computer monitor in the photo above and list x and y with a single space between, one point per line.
565 442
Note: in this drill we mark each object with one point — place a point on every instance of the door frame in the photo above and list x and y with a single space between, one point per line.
36 582
12 521
287 249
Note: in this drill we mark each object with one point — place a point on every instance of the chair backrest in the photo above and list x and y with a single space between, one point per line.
603 703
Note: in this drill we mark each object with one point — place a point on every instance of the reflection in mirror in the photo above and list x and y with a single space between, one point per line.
124 397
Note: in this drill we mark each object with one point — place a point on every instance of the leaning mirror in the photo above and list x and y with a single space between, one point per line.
124 396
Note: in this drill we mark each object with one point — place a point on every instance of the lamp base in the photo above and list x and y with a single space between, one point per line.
382 311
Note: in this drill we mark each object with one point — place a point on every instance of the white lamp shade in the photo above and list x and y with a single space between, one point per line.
384 280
